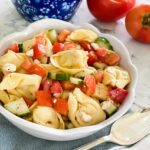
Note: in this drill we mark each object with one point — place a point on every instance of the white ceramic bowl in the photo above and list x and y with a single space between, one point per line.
76 133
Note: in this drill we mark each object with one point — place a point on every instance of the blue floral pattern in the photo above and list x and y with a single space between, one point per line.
33 10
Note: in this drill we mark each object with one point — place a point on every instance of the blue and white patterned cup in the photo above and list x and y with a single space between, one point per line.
33 10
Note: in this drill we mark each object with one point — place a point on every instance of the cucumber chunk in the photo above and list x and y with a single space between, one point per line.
49 75
65 94
109 107
99 65
103 42
62 76
52 34
18 107
20 48
76 81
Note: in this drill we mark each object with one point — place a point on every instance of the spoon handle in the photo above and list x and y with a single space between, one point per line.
94 143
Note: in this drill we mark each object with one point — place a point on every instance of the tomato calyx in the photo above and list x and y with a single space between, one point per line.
146 20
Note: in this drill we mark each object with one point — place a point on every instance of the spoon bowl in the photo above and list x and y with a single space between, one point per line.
125 131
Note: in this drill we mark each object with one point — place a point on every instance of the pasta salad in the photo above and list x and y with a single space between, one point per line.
63 80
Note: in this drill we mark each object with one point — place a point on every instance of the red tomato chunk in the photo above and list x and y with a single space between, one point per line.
39 51
90 84
61 106
86 45
118 95
37 69
56 89
63 35
40 40
14 47
44 98
46 85
92 58
58 47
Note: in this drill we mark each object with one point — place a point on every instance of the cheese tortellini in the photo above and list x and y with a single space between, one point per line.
82 34
71 61
12 58
21 84
86 71
84 110
116 77
48 117
6 98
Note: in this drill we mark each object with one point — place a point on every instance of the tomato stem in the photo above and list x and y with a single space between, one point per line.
146 20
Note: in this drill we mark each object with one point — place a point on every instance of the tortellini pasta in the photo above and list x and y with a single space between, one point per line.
12 58
71 61
86 71
84 110
52 69
6 98
82 34
21 84
116 77
47 116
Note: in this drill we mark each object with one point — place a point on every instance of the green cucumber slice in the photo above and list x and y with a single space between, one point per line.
103 42
18 107
20 45
109 107
99 65
49 75
62 76
76 81
52 34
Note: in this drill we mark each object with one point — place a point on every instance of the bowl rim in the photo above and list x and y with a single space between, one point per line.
75 131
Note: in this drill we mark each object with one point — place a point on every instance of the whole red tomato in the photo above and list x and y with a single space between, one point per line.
138 23
110 10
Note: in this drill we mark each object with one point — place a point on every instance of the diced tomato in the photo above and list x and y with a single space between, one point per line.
14 47
101 53
118 95
92 58
56 89
61 106
46 85
40 40
29 102
86 45
63 35
112 59
67 85
58 47
26 64
99 76
44 98
90 83
37 69
70 45
39 51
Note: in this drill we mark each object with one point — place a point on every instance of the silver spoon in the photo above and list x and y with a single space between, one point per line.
127 130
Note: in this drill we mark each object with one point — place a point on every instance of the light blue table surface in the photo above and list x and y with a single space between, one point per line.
11 138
